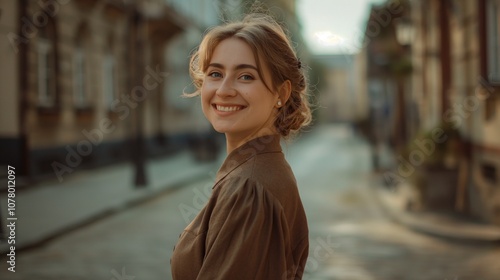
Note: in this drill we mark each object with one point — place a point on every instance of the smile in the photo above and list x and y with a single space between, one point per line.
228 108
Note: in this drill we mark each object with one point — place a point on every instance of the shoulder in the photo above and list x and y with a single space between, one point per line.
240 187
274 173
265 174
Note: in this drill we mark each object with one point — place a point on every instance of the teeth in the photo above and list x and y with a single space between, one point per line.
228 109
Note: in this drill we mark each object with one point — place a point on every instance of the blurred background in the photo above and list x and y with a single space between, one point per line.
399 174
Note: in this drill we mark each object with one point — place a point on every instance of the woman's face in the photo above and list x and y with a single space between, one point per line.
235 99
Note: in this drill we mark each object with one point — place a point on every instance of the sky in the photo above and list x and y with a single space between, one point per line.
334 26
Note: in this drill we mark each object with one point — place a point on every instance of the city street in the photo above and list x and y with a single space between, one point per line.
350 237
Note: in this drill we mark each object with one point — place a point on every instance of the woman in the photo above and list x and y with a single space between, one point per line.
254 91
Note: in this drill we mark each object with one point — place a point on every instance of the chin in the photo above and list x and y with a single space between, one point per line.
220 129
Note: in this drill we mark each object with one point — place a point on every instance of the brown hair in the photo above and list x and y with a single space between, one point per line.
269 42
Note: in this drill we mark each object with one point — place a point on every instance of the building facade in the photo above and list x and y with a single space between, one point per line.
454 83
343 97
458 55
386 71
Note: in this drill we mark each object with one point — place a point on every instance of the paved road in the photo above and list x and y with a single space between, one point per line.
351 239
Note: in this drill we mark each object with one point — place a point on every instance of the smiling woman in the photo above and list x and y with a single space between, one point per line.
253 90
272 59
234 96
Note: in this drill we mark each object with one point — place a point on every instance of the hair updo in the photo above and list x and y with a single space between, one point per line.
269 44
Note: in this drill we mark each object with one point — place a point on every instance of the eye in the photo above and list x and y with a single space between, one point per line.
215 74
246 77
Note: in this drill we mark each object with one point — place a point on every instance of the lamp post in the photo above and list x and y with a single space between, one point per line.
140 180
404 36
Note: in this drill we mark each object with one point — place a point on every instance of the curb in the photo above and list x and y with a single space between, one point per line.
434 224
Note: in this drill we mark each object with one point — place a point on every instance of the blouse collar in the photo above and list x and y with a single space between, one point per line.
259 145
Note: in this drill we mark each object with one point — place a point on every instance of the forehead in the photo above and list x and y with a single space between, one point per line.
233 51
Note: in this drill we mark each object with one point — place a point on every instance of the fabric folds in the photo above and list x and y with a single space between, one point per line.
253 226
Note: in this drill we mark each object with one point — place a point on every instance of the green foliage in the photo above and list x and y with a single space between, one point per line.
401 67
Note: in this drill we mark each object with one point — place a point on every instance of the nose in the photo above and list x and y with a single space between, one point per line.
226 89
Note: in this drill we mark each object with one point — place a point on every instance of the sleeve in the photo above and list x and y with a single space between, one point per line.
247 236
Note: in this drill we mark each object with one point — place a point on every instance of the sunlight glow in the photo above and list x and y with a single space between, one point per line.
327 38
334 26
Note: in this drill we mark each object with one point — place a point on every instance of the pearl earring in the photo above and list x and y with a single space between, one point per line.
279 103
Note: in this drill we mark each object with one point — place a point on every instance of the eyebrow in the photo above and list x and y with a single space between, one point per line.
238 67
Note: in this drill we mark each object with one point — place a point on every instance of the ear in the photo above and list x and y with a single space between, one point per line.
284 91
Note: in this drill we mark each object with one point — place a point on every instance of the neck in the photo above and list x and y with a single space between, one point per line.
235 141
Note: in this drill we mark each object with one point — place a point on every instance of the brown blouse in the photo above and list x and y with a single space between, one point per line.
253 226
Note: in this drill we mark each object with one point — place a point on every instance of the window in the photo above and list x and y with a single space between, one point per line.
46 69
108 82
489 172
80 71
490 108
80 87
493 39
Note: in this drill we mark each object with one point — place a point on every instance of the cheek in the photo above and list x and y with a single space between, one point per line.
205 94
206 97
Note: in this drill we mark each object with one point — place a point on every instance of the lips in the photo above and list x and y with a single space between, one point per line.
228 108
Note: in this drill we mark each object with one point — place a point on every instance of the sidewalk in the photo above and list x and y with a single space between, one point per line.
394 204
52 208
394 201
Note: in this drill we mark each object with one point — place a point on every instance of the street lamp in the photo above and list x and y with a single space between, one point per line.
404 35
404 31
